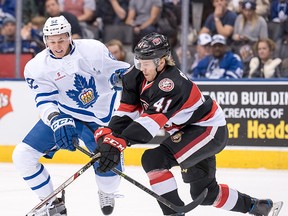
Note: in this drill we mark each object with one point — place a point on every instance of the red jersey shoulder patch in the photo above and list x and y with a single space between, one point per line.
166 85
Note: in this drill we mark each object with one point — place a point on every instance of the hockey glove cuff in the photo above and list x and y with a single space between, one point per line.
101 132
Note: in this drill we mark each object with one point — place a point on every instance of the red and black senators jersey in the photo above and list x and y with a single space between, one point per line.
171 101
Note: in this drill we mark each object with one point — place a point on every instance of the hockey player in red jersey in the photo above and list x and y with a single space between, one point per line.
157 95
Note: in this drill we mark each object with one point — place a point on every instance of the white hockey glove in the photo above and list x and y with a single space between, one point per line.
253 65
270 66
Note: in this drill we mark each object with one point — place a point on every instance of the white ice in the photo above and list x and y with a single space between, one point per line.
82 200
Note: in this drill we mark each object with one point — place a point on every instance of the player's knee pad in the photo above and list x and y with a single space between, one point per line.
153 159
25 158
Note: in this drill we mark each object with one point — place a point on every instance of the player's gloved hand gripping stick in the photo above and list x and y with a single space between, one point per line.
65 134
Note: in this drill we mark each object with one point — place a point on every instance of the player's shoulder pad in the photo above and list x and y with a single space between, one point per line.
89 46
36 65
172 80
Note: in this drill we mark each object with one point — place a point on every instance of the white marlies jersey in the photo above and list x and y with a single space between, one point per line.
77 84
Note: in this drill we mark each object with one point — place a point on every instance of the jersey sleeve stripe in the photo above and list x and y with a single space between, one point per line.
159 118
132 115
192 101
45 102
127 107
46 94
149 124
194 97
211 113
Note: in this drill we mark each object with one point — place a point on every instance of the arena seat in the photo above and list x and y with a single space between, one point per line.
7 64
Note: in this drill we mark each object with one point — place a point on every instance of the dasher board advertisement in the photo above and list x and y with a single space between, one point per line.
256 112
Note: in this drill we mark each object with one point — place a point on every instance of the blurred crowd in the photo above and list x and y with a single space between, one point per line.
226 38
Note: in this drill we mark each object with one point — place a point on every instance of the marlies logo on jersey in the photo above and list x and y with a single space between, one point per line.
85 94
166 85
176 138
5 104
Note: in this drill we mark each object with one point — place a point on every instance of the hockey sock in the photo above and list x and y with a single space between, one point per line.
232 200
164 184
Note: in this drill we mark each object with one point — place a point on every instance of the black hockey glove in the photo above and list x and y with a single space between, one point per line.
65 134
110 150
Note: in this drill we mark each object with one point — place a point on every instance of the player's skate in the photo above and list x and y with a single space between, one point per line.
276 208
261 207
57 208
107 202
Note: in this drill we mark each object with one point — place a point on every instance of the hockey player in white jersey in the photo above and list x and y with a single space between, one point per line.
74 84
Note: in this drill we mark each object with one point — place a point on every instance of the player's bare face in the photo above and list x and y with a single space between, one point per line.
148 69
59 44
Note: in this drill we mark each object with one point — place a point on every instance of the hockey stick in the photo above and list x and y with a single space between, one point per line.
178 209
94 158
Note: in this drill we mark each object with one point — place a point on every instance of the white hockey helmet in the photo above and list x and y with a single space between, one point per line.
55 26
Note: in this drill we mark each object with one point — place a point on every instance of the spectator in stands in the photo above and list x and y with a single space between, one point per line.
169 21
278 22
112 14
221 64
249 27
262 7
112 11
246 54
221 21
7 9
284 68
201 9
33 31
279 10
84 10
8 41
118 51
29 10
264 65
8 6
52 8
203 48
143 16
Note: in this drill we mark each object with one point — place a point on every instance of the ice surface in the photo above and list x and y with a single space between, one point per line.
16 199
